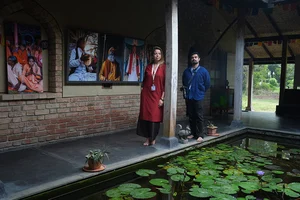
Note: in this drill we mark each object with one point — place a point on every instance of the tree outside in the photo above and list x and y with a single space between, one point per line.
266 84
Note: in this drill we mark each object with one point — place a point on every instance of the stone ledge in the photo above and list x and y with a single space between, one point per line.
34 96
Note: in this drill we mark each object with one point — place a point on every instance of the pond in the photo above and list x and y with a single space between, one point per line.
242 168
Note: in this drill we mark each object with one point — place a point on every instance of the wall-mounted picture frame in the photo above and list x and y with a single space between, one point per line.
23 58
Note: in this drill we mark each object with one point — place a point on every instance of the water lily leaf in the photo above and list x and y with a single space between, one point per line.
294 151
293 174
273 167
222 197
117 198
172 171
232 172
114 193
237 178
166 186
142 193
158 181
240 198
250 197
191 173
278 172
165 190
250 186
199 192
223 163
207 183
145 172
270 178
128 187
267 189
294 186
179 177
279 187
291 193
246 191
160 166
229 189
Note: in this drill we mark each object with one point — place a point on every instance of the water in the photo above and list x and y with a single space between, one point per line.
245 168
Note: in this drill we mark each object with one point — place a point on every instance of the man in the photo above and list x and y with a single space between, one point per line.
14 72
110 70
21 55
76 54
133 66
196 80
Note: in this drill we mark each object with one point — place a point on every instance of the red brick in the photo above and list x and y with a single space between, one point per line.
15 137
40 133
3 138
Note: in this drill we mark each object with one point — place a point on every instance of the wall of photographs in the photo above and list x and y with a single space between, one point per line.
23 48
101 58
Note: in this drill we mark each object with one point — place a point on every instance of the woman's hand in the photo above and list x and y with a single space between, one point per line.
161 102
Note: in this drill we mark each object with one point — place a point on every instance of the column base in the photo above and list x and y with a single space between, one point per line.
236 124
248 109
169 142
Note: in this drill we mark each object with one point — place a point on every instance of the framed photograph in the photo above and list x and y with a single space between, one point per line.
83 57
24 58
134 60
112 59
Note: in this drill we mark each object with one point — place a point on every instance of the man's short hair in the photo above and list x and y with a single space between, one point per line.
195 53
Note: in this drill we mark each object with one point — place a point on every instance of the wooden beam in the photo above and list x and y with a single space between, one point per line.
275 26
271 38
268 60
249 53
221 36
256 35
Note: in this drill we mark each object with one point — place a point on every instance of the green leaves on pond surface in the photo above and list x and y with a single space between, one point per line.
142 193
145 172
200 192
218 172
159 182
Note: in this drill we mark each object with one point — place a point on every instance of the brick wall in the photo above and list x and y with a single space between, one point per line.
39 121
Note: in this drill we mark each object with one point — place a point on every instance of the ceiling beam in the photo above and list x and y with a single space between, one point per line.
256 35
249 52
272 38
268 60
275 26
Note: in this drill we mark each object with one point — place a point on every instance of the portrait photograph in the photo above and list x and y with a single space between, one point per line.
83 56
23 58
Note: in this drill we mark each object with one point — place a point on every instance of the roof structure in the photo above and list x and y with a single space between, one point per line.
268 22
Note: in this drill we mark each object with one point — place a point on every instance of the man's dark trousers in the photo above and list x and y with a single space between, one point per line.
195 112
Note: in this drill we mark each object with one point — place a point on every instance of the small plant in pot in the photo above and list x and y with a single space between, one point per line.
212 129
95 159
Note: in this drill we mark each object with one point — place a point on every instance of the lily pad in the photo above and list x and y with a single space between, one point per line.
114 193
250 197
145 172
180 177
199 192
250 186
143 193
158 181
294 186
191 173
278 172
291 193
273 167
128 187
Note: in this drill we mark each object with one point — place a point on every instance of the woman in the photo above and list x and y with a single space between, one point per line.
81 73
152 98
32 76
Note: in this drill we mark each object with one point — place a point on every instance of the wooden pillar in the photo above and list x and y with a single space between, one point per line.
250 85
239 62
283 71
170 103
279 108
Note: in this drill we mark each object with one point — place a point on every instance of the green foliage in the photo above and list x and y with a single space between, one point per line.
97 155
220 172
273 82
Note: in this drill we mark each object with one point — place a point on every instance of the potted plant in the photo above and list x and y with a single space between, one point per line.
211 129
94 159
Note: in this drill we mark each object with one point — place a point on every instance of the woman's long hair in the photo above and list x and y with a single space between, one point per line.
162 60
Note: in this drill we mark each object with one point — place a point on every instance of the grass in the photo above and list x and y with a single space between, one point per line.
261 105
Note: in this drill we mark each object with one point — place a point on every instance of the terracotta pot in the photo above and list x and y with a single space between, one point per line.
211 131
94 164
